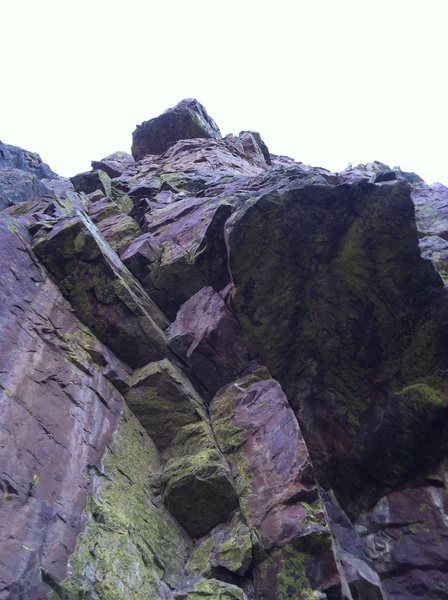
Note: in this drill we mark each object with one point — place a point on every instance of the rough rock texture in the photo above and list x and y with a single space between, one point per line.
223 374
186 120
23 176
208 338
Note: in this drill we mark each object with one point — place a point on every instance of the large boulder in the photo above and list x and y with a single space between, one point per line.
336 300
164 401
228 548
186 120
198 484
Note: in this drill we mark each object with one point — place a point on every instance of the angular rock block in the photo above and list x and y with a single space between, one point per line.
17 187
163 400
277 489
254 148
119 230
228 547
208 338
337 302
92 180
186 120
114 164
103 293
405 536
198 485
187 251
211 589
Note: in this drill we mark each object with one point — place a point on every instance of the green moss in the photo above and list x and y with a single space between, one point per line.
214 590
131 546
285 571
199 561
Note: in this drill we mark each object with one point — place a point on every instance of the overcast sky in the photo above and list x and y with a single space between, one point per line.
327 82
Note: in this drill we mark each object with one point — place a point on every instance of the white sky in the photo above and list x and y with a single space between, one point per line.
327 82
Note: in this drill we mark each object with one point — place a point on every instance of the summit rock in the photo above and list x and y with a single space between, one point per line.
187 120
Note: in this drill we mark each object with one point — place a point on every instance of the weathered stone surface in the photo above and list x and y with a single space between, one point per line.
103 293
17 186
290 571
431 213
187 251
186 120
114 164
208 338
210 588
335 298
119 230
277 489
14 157
228 548
163 400
253 413
316 274
92 180
255 148
131 547
355 566
405 535
58 413
198 485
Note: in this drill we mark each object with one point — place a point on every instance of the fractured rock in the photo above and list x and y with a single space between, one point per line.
163 400
335 299
208 338
198 485
188 251
114 164
104 294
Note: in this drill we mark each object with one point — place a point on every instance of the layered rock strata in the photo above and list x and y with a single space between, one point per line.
223 375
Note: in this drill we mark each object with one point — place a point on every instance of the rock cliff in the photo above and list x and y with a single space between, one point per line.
223 375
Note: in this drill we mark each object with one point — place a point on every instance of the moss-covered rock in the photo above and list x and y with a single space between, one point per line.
213 589
103 293
163 400
338 303
198 485
92 180
131 547
228 547
285 574
119 230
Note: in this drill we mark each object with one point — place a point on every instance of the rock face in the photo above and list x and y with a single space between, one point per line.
223 375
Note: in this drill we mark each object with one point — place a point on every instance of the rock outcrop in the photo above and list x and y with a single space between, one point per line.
224 374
